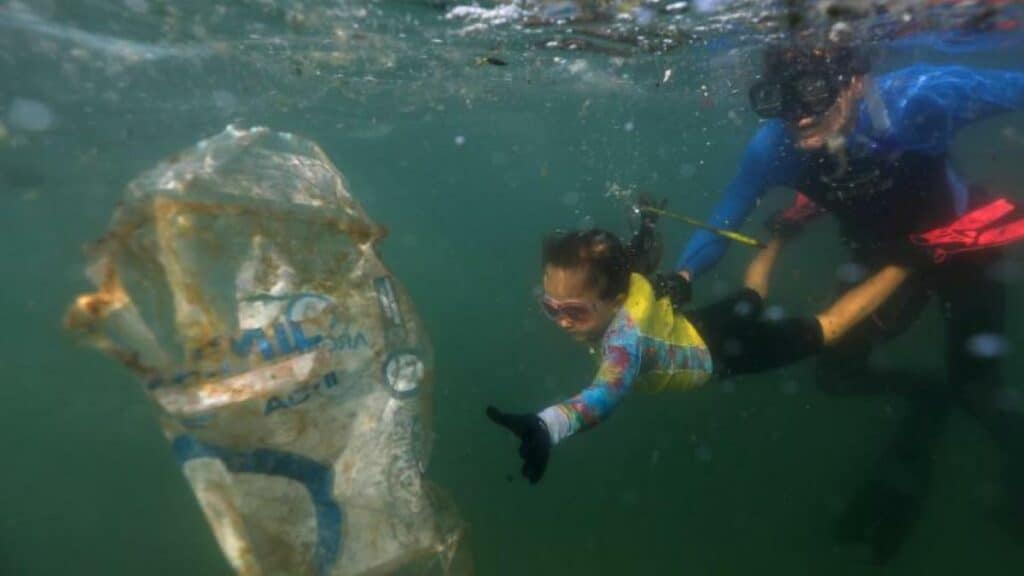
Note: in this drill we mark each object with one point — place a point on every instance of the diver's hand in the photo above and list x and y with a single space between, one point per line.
906 253
648 217
675 286
789 222
535 443
784 228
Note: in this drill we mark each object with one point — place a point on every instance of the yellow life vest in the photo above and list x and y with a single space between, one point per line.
660 327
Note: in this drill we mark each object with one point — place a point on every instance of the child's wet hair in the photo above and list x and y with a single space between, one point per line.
599 251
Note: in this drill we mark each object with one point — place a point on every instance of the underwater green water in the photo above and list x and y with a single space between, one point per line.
468 173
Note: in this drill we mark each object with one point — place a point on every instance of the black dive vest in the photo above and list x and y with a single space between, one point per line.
879 198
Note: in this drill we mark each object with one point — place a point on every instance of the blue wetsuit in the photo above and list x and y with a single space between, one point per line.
893 182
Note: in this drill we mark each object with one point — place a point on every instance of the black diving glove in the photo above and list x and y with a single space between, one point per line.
675 287
535 443
645 247
649 218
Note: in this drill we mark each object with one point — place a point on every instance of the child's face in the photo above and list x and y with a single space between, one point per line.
574 305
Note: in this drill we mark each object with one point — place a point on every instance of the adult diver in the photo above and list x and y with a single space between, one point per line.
874 153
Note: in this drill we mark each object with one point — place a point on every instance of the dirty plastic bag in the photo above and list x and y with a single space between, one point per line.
239 281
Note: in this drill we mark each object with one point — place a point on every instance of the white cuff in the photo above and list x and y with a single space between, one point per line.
557 423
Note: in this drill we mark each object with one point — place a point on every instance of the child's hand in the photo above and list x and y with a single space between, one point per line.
648 209
535 442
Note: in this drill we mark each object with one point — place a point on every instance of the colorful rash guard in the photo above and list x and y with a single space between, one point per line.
899 179
647 346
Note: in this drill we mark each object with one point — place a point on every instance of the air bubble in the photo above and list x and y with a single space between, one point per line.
743 309
703 452
850 272
987 345
137 6
29 115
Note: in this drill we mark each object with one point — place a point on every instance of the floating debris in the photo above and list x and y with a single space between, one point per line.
619 192
293 384
492 60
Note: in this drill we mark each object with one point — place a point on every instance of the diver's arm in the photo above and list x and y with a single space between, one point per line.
939 101
768 161
860 302
620 365
759 270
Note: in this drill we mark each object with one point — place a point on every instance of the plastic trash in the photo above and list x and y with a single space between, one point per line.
239 282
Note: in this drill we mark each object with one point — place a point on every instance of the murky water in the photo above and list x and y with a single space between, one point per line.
470 133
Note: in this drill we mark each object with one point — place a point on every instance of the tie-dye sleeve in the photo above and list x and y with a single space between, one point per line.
620 365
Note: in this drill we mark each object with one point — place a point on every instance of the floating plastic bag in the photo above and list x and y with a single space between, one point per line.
239 281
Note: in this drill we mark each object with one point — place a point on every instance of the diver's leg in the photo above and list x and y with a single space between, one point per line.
884 510
975 341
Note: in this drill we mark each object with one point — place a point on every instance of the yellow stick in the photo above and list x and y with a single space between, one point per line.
734 236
